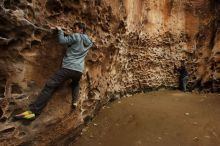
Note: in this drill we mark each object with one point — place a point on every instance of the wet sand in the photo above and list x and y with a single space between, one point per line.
163 118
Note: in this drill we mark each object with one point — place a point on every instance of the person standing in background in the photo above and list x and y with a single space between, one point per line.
183 76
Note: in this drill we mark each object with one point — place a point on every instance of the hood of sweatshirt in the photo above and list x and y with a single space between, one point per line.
86 41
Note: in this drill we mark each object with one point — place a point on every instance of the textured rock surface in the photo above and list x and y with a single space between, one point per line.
137 44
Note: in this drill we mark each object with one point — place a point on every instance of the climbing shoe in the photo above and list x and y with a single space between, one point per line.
74 105
28 115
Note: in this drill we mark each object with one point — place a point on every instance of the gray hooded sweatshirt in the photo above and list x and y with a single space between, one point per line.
78 47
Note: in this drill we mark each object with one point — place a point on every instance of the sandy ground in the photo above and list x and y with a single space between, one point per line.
163 118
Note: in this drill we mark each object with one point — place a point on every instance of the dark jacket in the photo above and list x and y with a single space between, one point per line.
183 72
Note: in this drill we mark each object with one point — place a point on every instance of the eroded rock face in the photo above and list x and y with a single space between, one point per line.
137 43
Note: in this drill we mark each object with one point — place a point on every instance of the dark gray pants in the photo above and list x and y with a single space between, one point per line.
183 83
52 84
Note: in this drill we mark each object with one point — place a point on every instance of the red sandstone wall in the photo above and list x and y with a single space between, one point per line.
137 44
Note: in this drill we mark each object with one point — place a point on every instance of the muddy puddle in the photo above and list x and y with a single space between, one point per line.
163 118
